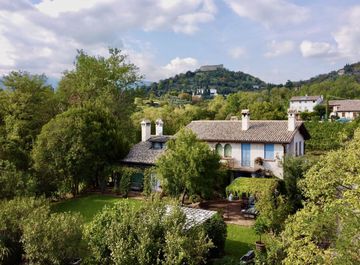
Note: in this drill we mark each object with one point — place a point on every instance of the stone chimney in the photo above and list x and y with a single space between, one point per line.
245 121
159 124
291 120
145 130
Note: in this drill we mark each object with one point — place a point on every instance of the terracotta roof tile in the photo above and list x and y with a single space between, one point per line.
231 131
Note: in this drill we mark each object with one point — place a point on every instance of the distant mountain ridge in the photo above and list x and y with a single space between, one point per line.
208 77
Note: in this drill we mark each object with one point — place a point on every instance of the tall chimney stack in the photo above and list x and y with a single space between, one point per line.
291 120
145 130
159 124
245 120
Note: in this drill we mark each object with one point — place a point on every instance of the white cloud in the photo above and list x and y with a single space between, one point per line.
44 37
237 52
316 49
348 36
346 41
55 7
270 12
179 65
277 48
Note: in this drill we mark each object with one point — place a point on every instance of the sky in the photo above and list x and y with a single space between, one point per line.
274 40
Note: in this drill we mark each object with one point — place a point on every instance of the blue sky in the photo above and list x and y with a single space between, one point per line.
275 40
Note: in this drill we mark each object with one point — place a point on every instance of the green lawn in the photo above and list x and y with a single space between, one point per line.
240 239
90 205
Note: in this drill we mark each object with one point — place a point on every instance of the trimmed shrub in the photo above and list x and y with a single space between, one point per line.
124 234
216 230
52 239
13 214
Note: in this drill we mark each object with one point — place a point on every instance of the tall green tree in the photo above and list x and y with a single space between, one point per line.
27 103
77 145
189 167
104 81
326 230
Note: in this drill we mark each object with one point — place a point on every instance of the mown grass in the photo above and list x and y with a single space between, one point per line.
240 239
90 205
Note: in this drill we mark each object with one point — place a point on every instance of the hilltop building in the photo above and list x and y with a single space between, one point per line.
206 68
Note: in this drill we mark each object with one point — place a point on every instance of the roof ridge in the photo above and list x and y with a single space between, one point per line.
240 121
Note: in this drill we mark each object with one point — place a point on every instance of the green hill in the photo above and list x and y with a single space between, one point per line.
224 80
349 70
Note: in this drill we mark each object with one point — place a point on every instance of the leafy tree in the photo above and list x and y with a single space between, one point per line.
77 145
106 82
326 230
294 171
188 167
150 234
27 103
12 181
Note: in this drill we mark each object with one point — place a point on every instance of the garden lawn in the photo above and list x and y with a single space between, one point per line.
240 239
90 205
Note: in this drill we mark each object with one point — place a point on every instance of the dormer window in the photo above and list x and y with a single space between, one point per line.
157 145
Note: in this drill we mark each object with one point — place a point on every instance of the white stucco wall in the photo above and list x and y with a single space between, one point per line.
304 105
291 148
349 115
257 150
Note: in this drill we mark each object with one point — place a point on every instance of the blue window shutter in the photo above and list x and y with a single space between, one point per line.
269 151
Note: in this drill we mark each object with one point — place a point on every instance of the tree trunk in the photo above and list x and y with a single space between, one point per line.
183 197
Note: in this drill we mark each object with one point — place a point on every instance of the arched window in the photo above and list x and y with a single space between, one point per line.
227 150
219 149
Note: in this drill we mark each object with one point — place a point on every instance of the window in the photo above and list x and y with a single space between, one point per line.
300 146
296 149
269 151
227 150
157 146
219 149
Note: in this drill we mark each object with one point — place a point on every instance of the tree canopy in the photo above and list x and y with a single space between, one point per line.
77 145
327 229
188 166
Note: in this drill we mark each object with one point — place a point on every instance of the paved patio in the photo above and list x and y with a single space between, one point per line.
231 211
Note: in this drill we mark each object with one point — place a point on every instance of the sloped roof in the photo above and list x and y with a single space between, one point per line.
346 105
194 217
305 98
142 153
268 131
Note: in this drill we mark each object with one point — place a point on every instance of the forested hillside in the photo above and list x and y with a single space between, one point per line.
225 81
349 70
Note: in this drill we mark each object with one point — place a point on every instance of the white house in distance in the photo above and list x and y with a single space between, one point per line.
240 143
349 108
305 103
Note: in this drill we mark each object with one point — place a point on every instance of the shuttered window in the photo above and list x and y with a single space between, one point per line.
269 151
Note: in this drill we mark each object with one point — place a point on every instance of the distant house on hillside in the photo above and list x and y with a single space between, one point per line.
248 148
206 68
305 103
348 109
203 92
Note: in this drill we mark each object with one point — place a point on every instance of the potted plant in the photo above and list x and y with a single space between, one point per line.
259 161
260 228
